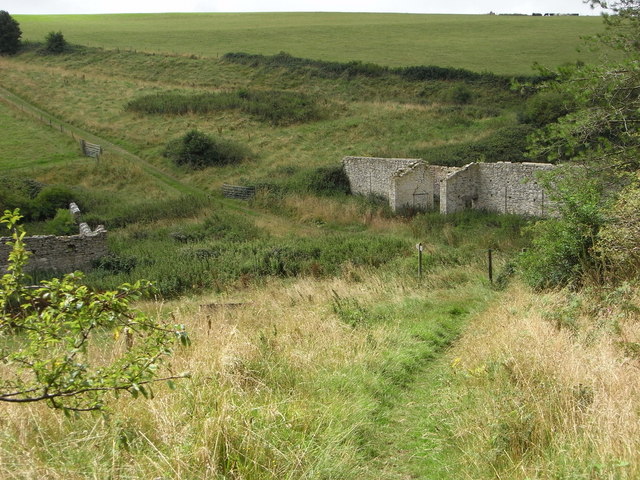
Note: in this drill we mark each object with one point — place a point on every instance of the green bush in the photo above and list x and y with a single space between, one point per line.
62 224
329 69
197 150
55 43
19 193
562 251
459 95
507 144
619 241
10 34
50 199
328 181
273 106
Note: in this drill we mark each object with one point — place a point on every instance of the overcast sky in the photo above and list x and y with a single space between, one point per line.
400 6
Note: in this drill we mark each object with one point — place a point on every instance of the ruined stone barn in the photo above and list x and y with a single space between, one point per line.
412 183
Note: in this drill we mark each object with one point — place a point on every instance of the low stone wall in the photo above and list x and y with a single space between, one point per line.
498 187
61 254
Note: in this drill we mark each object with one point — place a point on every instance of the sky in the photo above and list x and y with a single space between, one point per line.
391 6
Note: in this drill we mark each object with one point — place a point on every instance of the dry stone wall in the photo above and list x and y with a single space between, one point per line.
372 175
61 254
500 187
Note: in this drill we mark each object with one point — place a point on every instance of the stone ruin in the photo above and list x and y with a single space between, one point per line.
61 254
412 183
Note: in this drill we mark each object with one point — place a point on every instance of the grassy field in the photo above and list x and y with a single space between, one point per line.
45 146
500 44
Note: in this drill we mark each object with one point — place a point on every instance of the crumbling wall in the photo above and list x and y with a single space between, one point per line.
372 175
412 187
61 254
459 189
498 187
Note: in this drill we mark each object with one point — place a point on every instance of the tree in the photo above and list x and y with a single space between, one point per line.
55 43
67 345
601 134
10 34
602 129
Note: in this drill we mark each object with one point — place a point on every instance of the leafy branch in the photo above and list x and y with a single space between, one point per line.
68 345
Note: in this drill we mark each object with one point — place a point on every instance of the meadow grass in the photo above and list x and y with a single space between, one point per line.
289 380
499 44
26 144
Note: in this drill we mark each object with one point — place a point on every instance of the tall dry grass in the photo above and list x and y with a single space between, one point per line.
271 395
552 387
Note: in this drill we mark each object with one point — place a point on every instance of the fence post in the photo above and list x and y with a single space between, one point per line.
420 248
490 257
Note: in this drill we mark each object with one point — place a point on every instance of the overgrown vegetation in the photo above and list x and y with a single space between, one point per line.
55 43
10 34
274 107
356 68
508 144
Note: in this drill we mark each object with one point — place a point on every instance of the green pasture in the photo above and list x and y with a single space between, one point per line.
27 143
500 44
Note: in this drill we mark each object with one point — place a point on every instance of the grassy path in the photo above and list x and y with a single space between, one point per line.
415 435
418 435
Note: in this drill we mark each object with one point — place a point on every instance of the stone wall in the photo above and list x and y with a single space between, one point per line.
405 182
61 254
373 176
411 187
498 187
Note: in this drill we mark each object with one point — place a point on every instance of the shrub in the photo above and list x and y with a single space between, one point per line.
50 199
328 69
116 263
273 106
62 224
198 150
55 43
562 251
507 144
328 181
619 241
460 95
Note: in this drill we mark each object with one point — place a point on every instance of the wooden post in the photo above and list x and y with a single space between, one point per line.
490 257
419 247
